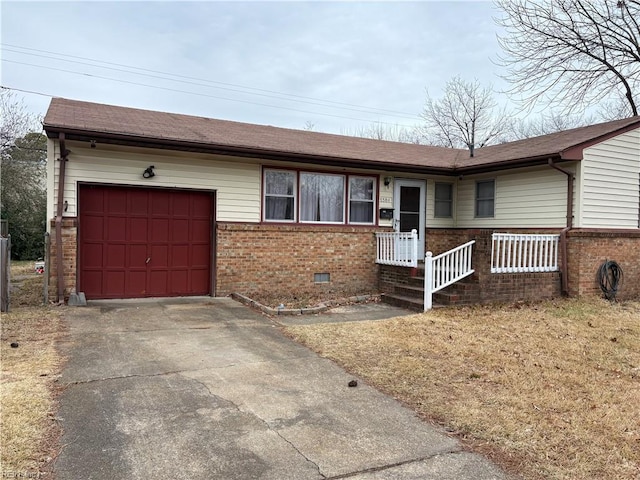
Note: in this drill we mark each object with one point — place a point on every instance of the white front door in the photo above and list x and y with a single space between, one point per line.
409 208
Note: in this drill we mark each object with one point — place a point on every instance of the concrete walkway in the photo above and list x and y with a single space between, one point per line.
210 389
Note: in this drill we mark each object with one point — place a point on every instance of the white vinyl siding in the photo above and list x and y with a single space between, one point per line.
524 198
236 181
608 183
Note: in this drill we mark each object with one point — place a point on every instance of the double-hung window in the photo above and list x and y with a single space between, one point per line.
443 205
361 200
315 197
279 195
485 198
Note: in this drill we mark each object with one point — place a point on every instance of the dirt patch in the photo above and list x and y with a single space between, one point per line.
308 300
548 390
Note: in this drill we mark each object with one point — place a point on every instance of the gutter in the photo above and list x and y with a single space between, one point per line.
564 273
64 153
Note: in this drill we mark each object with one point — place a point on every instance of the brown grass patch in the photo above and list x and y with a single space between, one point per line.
550 390
28 431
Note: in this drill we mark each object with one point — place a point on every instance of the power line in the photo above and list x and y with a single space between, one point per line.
199 94
4 87
205 85
252 90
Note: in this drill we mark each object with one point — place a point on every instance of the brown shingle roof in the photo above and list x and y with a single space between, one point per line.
561 144
134 126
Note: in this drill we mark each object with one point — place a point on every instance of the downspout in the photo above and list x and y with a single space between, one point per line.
564 273
64 153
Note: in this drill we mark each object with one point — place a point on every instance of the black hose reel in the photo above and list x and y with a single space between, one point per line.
609 278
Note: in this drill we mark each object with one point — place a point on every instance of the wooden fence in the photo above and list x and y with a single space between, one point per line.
5 272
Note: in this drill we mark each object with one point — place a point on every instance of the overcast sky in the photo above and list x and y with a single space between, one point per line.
336 65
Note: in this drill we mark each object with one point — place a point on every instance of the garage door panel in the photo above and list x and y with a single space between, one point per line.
200 230
116 255
179 256
114 283
158 283
116 229
160 229
116 203
138 201
92 200
93 227
136 283
200 207
200 256
179 282
160 203
93 281
137 256
92 255
180 205
138 229
120 228
180 230
159 255
200 277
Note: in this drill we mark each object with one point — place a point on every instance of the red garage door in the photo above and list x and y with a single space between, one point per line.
137 242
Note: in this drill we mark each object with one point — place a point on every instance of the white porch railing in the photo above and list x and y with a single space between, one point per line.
522 253
397 248
445 269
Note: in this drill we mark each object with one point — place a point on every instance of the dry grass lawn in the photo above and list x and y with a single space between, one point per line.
28 431
549 390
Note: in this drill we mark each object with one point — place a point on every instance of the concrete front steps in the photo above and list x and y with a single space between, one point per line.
410 295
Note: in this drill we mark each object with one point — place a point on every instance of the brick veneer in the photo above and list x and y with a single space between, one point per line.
494 287
280 259
276 259
390 275
69 257
588 249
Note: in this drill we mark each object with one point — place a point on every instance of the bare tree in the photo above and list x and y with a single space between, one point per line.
380 131
16 120
467 116
543 125
572 53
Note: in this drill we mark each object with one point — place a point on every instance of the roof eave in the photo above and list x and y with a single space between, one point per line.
510 164
238 151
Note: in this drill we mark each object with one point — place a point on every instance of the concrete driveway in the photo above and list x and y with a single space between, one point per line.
210 389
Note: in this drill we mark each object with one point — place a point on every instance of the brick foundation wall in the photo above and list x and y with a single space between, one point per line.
588 249
513 287
69 257
391 275
279 259
496 287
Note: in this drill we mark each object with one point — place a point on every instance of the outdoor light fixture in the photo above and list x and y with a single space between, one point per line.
148 173
93 144
387 181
